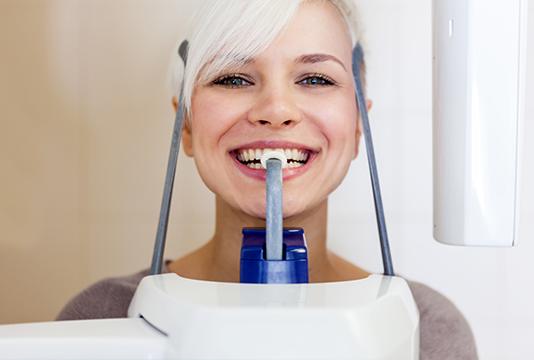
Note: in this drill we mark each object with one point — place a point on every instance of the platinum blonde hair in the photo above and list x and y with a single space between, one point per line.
227 33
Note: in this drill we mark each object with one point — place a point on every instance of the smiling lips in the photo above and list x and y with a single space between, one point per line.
247 158
251 157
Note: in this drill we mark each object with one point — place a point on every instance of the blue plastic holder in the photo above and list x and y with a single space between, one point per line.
255 269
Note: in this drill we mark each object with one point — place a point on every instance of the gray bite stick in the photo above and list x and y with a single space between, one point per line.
274 162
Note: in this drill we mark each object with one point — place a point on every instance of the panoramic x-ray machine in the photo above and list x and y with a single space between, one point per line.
274 313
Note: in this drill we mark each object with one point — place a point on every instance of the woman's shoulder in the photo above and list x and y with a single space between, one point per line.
445 333
107 298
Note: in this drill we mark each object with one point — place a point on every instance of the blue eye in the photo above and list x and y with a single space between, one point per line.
317 80
232 81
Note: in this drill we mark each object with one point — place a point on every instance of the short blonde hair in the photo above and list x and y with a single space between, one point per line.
227 33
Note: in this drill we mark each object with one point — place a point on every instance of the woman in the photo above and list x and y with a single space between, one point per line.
263 75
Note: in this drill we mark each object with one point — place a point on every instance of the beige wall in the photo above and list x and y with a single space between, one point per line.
40 165
85 122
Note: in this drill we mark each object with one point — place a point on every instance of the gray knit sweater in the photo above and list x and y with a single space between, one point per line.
445 334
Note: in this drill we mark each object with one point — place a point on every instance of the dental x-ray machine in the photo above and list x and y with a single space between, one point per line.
274 312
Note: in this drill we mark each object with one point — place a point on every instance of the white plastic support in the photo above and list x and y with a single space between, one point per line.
479 59
374 318
172 317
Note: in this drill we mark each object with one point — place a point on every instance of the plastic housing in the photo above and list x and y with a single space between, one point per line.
374 318
172 317
255 269
479 58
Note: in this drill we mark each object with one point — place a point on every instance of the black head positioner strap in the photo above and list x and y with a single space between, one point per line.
357 61
159 246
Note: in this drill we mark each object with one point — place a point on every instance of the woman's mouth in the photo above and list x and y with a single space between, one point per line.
247 159
251 157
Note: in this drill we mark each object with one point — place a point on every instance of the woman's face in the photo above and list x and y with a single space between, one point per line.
297 95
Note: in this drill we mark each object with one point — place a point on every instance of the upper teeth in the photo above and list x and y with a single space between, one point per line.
256 154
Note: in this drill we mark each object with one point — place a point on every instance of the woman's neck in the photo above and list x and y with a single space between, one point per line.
219 259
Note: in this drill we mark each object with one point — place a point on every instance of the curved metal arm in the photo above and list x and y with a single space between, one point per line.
357 60
161 235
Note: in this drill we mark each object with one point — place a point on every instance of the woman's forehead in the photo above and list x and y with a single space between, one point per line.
317 33
311 58
316 28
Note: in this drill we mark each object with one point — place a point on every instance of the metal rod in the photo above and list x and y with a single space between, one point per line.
161 235
274 216
358 58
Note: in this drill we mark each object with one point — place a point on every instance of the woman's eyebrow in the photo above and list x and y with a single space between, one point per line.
315 58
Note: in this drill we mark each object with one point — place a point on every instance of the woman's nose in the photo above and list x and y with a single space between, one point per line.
276 109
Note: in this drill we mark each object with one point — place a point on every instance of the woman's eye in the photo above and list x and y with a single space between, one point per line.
317 80
232 81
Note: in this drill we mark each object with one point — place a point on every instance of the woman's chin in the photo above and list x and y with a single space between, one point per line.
258 211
